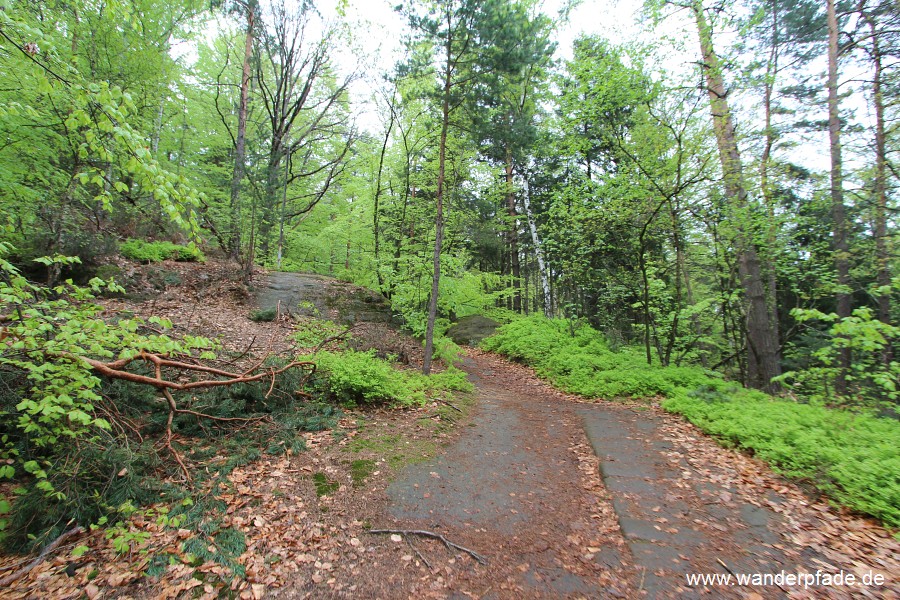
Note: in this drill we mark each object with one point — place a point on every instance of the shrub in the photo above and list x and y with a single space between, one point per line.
263 315
78 446
360 377
144 251
850 457
577 359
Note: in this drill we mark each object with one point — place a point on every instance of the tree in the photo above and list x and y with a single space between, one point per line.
838 210
81 123
879 18
506 107
762 357
457 33
251 9
308 123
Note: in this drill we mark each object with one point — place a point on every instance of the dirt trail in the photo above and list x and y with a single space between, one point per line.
513 487
521 486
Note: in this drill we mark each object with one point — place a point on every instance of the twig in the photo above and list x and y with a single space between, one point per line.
450 405
334 337
242 354
173 408
419 554
430 534
12 577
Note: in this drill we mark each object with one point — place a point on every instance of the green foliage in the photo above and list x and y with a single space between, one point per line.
144 251
870 381
84 448
52 332
312 332
264 315
222 546
852 458
577 359
360 377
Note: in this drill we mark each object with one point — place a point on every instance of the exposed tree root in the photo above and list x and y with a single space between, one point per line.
430 534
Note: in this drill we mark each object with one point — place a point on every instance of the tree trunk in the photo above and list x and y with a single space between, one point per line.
387 136
762 355
281 218
240 141
270 199
538 254
882 252
439 217
512 235
772 230
838 212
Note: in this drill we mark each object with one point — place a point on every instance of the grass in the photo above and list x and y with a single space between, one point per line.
852 458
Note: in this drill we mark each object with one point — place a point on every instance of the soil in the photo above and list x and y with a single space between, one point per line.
562 498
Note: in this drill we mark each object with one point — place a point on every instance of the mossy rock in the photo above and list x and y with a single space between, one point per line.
469 331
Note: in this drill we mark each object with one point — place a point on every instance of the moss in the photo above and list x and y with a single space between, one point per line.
395 449
324 486
264 315
360 470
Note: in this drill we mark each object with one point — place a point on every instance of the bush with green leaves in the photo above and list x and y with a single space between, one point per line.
853 458
870 381
353 378
79 446
48 335
144 251
576 358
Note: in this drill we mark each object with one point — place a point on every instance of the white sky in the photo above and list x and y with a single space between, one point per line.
382 42
378 35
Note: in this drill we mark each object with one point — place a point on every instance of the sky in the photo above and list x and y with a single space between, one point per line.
382 42
378 36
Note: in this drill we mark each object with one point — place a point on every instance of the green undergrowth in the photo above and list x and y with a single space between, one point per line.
144 251
126 465
353 378
577 359
852 458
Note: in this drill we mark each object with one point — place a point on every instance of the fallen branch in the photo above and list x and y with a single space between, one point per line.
419 554
450 405
436 536
244 353
12 577
116 370
334 338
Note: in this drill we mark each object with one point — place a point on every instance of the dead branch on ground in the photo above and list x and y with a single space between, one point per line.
117 370
334 338
13 577
436 536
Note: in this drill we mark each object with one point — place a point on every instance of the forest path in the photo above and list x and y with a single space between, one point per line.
519 486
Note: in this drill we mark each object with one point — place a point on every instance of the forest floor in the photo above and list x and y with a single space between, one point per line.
544 494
